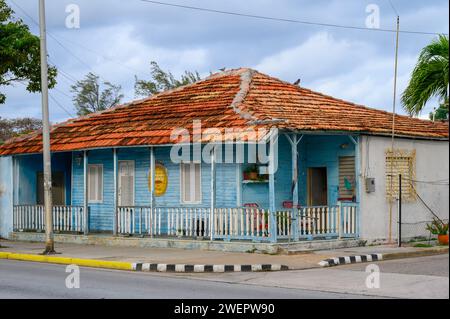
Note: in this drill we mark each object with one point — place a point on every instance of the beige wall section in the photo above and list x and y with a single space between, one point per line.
432 164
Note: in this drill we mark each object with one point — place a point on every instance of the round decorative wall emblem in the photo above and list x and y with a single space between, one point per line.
161 180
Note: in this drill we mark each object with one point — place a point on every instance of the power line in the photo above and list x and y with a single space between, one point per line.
61 106
54 38
63 93
331 25
57 103
438 182
100 55
424 203
393 8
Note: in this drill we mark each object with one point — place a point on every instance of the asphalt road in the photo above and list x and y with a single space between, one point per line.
36 280
425 266
425 277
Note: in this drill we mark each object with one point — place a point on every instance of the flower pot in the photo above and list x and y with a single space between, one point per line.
443 239
253 176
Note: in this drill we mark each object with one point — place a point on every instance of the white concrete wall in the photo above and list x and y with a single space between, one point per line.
432 164
6 194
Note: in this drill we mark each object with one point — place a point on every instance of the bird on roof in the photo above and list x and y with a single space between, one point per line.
297 82
222 69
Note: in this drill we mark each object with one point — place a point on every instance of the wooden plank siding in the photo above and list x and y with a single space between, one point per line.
102 214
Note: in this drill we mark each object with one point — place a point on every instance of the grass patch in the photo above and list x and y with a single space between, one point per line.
423 245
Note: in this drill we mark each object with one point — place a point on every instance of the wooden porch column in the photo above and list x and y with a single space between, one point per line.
15 185
116 195
294 141
86 193
213 192
152 185
272 204
356 141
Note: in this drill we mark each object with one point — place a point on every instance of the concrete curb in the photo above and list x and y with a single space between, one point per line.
418 253
181 268
350 260
119 265
377 257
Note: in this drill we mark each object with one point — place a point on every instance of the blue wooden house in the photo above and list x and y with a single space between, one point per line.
182 164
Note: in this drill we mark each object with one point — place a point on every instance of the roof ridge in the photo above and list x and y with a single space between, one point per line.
244 88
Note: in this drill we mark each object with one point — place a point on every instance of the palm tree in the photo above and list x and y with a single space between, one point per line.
429 78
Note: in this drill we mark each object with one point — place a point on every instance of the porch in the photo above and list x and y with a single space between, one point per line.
142 193
228 224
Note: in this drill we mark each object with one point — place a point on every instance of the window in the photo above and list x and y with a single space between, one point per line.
400 162
95 183
347 181
191 190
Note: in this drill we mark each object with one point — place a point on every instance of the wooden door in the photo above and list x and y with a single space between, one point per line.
58 188
126 183
317 186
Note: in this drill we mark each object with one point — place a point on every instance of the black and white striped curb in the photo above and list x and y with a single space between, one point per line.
350 260
207 268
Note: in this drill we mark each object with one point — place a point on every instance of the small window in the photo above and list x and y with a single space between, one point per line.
191 192
95 183
400 162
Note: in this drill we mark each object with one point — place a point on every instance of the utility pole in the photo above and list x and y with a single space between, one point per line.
393 126
49 243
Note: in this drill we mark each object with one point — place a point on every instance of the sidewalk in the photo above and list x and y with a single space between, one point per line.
199 257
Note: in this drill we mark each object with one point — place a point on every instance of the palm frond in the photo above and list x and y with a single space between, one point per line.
429 78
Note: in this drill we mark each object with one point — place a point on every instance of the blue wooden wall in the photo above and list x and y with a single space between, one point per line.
323 151
30 165
315 151
102 214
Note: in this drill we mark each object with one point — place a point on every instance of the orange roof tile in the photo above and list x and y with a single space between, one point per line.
243 99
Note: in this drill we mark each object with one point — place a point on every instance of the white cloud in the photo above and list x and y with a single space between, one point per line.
347 69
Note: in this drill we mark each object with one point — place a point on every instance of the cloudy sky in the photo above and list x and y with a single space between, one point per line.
117 39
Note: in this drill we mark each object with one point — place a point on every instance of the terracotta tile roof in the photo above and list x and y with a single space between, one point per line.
243 99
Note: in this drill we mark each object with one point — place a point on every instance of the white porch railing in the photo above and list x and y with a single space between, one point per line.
228 223
239 223
32 218
141 220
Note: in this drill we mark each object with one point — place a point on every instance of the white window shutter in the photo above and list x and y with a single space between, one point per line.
191 183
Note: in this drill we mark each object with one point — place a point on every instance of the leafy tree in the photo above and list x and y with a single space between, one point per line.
14 127
162 81
89 97
429 78
440 114
19 54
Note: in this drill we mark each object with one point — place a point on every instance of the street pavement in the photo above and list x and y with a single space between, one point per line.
20 280
424 277
305 260
421 277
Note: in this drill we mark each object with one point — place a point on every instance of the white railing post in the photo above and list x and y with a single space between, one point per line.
340 215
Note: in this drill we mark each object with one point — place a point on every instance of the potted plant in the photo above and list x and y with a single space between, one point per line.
439 228
251 173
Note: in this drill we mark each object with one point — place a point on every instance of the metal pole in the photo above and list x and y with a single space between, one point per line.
49 243
393 124
400 210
